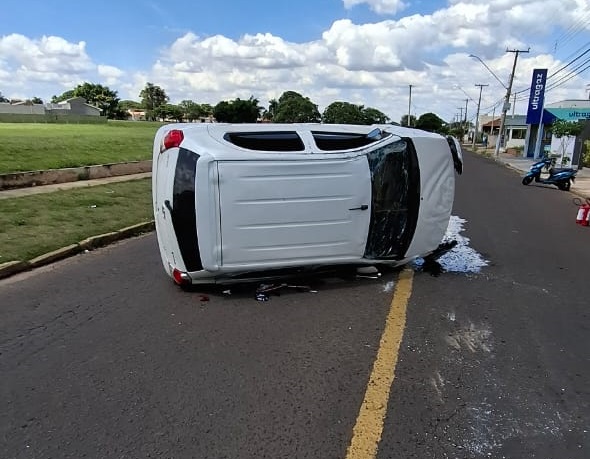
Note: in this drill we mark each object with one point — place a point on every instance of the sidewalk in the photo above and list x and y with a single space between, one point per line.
581 185
28 191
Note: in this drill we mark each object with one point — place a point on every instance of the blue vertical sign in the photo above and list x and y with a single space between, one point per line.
536 96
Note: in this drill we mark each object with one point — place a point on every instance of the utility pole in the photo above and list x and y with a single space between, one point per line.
481 86
410 107
514 105
507 99
466 127
493 121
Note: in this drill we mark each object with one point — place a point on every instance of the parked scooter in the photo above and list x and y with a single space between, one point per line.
561 178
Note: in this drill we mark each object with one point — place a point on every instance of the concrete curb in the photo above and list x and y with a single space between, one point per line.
73 174
14 267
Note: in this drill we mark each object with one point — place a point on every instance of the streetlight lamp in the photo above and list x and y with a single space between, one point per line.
508 88
489 70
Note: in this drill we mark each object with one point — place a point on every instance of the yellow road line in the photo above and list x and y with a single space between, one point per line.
369 423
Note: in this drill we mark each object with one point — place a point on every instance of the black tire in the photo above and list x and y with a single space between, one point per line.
527 179
564 186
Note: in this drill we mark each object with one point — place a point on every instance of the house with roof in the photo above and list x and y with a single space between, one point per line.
75 109
515 127
73 106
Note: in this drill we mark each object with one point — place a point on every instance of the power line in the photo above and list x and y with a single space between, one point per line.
578 70
573 30
562 68
568 64
573 74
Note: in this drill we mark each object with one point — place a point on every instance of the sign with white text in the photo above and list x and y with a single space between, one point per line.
536 96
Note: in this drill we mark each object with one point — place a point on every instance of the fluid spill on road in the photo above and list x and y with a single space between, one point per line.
461 258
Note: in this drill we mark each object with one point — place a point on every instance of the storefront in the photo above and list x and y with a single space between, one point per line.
570 148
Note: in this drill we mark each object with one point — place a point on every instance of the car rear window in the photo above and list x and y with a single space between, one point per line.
332 141
266 141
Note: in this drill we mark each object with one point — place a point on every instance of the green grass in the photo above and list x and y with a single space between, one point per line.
33 225
28 147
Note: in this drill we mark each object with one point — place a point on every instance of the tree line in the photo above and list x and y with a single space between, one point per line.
290 107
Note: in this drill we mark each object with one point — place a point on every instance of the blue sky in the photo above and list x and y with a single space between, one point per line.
360 51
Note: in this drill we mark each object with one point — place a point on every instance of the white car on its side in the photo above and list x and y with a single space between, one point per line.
240 201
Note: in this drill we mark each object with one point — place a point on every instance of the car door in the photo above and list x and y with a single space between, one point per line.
284 213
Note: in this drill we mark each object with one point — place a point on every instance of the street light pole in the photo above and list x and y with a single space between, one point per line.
481 86
489 69
410 107
506 106
466 126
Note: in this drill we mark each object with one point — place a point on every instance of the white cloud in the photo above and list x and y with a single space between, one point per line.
111 75
378 6
47 54
370 64
31 67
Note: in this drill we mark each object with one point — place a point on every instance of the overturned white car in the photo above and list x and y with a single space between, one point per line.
241 201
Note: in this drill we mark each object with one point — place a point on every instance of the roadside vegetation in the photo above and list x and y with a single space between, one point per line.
34 146
33 225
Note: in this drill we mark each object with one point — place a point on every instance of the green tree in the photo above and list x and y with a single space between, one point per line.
456 129
347 113
404 121
36 100
268 115
2 98
95 94
292 107
429 122
566 131
191 110
374 116
129 105
64 96
169 112
343 113
237 111
207 110
152 97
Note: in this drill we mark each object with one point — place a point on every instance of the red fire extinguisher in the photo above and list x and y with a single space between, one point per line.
583 216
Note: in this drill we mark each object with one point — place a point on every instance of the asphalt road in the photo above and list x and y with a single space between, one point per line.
101 356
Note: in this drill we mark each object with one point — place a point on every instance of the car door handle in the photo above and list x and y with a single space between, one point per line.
168 206
363 207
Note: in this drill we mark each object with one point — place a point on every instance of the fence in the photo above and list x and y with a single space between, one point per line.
52 118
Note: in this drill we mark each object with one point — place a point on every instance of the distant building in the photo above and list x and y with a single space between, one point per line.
22 109
74 106
136 114
515 126
569 110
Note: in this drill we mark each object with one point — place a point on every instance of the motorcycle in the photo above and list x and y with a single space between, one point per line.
561 178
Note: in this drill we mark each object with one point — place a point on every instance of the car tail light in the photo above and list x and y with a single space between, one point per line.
172 139
180 277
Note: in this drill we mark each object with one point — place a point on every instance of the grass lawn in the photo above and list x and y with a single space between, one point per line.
37 146
33 225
